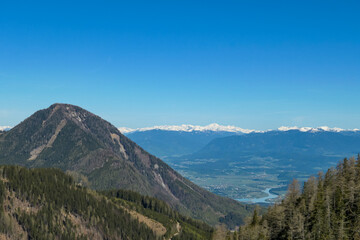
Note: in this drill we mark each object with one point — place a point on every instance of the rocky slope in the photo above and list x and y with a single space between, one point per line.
98 155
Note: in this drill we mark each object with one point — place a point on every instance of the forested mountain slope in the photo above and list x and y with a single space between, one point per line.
98 155
328 207
47 204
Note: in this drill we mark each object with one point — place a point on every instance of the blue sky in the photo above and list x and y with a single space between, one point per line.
254 64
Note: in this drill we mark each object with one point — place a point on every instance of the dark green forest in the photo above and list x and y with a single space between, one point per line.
326 207
47 204
161 212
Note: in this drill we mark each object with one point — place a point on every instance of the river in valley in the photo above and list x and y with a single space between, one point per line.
260 200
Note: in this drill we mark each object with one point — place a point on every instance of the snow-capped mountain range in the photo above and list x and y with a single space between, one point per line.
5 128
214 127
317 129
190 128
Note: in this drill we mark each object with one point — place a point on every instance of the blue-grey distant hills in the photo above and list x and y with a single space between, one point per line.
243 163
166 143
286 142
228 142
177 140
169 141
289 153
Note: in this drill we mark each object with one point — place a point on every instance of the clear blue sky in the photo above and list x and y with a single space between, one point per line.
254 64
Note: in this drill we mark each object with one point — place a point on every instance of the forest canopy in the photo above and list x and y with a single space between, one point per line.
327 207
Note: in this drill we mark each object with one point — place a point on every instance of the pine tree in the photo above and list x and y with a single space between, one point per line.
327 208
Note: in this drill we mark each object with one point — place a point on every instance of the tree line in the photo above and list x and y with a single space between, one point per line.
56 200
326 207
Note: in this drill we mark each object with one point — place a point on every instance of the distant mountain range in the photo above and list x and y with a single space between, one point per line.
97 155
242 165
294 149
291 141
267 160
177 140
164 143
214 127
5 128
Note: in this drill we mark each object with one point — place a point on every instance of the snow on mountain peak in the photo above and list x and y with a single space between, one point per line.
317 129
302 129
126 130
214 127
5 128
189 128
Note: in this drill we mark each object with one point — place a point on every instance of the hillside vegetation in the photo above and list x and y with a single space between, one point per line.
96 154
161 212
328 207
47 204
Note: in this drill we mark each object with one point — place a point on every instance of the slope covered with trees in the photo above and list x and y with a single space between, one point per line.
328 207
161 212
95 152
47 204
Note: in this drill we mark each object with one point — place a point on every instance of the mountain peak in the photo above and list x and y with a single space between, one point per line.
70 138
81 117
68 109
62 105
316 129
46 131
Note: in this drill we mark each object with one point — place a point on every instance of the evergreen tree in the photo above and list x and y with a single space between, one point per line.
328 207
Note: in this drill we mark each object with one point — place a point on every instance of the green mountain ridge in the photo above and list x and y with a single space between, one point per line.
99 156
47 204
